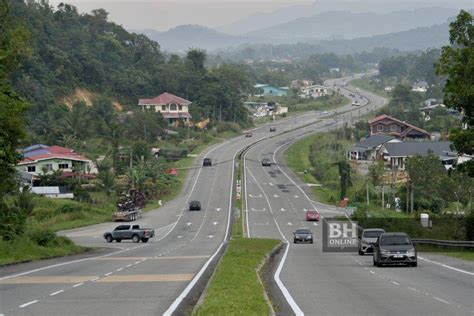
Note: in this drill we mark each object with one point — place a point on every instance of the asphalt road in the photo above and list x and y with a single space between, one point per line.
140 279
321 283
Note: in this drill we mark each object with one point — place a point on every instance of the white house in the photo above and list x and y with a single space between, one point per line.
314 91
173 108
420 86
38 159
367 148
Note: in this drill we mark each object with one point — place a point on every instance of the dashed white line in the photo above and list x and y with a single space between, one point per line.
393 282
119 269
107 274
373 272
441 300
29 303
56 293
413 289
78 284
129 265
94 279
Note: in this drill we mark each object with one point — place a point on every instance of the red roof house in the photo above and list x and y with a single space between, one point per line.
387 125
172 107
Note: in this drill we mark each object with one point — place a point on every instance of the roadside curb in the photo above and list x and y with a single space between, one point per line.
266 272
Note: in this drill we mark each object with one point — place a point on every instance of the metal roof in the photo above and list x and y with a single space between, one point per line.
404 149
374 141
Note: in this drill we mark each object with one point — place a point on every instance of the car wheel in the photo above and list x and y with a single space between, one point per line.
379 264
109 238
414 264
144 239
373 260
295 241
361 253
118 240
311 241
135 238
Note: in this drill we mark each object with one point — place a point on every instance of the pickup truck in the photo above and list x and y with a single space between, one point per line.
133 232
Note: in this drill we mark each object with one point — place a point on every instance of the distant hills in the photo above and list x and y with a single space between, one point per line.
341 32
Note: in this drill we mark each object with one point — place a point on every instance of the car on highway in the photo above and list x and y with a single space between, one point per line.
394 248
355 103
133 232
266 162
325 112
312 215
367 239
273 129
207 162
248 134
302 235
195 205
352 95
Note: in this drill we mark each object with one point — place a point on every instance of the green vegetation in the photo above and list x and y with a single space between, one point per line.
235 288
369 85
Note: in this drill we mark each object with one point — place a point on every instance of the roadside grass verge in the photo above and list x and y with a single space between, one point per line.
463 254
235 288
363 84
26 248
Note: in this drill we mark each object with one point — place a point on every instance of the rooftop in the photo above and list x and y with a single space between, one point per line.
164 98
404 149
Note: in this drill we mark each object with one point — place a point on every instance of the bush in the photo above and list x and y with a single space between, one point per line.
42 237
69 208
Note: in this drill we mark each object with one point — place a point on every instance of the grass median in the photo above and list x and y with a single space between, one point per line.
235 288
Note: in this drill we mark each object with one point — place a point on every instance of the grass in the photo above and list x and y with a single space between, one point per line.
363 84
25 249
235 288
466 255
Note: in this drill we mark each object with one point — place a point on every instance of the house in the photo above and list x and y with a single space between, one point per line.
173 108
53 192
296 84
367 148
429 102
387 125
429 109
314 91
420 86
39 159
396 153
266 89
388 89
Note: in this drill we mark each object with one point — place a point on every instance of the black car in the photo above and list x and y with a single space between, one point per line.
273 129
266 162
195 206
248 134
207 162
302 235
394 248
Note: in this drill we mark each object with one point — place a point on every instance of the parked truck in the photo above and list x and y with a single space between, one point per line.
133 232
129 208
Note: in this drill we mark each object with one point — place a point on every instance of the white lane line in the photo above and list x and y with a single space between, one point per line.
137 262
413 289
196 278
373 272
129 265
393 282
119 269
444 265
441 300
215 223
78 284
56 293
29 303
107 274
94 279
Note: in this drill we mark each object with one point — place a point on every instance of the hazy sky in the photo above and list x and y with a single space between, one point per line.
163 15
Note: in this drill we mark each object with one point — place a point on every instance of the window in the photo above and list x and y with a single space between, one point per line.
180 107
393 128
48 167
63 166
173 107
31 169
380 128
163 107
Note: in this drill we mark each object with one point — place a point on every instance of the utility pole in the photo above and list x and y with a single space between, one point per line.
383 196
367 190
412 201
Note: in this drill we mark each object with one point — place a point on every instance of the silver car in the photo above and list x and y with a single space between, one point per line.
367 240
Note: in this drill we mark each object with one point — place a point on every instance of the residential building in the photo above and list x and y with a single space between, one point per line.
314 91
396 153
388 89
38 159
268 90
173 108
429 109
367 148
420 86
296 84
387 125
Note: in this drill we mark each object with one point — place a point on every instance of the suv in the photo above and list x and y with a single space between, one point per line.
273 129
367 240
266 162
207 162
195 206
394 248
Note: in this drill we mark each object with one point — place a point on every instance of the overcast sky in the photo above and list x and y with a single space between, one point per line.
163 15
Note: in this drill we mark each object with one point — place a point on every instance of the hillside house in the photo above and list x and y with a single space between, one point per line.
420 86
173 108
387 125
314 91
39 159
368 148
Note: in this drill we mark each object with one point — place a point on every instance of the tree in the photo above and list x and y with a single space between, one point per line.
345 177
106 177
457 62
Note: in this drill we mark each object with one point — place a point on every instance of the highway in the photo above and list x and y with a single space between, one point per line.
154 278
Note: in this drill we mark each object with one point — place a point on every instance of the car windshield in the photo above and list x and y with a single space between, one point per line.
373 233
395 240
303 231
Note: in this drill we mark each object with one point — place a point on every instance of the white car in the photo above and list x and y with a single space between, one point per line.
367 240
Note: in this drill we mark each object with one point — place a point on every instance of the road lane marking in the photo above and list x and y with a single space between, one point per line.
218 209
282 209
107 274
47 279
275 195
79 284
137 262
446 266
128 265
56 293
95 279
393 282
373 272
119 269
28 304
189 224
147 278
441 300
262 210
210 236
290 224
179 236
215 223
413 289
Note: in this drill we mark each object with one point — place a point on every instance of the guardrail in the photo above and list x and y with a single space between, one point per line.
445 243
